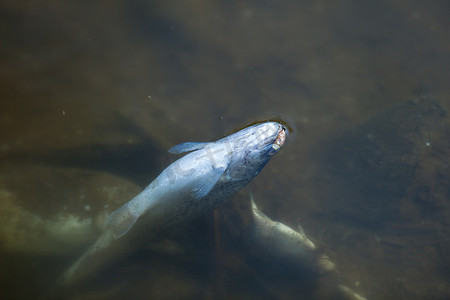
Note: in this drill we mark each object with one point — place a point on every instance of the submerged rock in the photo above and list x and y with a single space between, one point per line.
55 211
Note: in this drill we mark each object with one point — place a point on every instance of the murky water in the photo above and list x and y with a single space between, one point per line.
93 94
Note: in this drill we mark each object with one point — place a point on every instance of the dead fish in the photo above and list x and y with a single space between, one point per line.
277 241
193 184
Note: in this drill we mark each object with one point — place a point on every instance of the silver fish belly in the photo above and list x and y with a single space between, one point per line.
197 182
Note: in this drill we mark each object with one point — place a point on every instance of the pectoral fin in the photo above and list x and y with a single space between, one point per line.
207 184
186 147
120 221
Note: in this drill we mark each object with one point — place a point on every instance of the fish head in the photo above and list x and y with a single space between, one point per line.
265 140
255 146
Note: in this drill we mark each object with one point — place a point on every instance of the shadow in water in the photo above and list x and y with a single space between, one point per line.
139 161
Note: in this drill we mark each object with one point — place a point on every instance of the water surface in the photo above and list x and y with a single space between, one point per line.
93 94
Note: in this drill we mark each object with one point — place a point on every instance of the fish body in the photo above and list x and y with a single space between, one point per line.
279 242
197 182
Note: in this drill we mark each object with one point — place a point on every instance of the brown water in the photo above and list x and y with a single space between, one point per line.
93 94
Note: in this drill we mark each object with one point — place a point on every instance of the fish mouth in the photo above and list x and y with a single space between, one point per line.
280 139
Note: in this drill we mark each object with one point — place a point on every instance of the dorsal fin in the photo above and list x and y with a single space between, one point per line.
301 230
186 147
255 208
